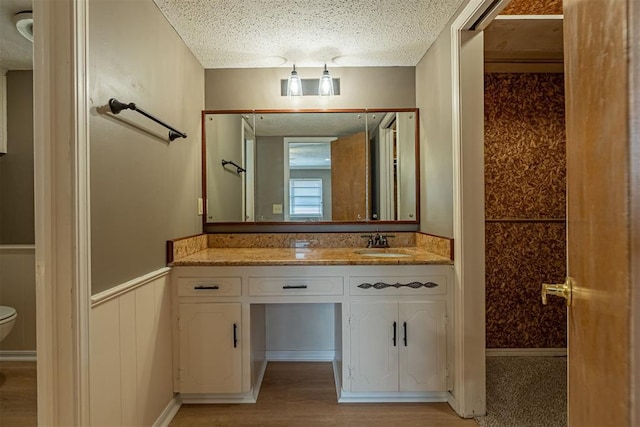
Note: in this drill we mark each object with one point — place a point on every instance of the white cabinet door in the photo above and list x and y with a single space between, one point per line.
398 346
374 354
422 346
210 350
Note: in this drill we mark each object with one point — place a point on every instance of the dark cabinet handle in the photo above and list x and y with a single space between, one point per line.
395 332
294 287
404 327
202 287
235 335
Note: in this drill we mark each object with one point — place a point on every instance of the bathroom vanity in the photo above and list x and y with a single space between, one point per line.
391 338
293 190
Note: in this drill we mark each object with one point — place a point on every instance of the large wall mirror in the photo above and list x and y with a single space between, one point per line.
310 167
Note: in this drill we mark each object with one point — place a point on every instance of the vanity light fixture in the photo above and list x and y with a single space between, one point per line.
325 87
294 88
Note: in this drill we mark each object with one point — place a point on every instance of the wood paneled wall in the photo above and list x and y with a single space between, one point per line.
533 7
525 208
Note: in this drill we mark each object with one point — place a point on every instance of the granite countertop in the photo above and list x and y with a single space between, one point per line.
308 256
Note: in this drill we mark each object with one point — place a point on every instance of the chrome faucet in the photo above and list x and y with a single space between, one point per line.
378 240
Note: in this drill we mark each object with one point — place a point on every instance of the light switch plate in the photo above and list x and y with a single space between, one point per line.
277 208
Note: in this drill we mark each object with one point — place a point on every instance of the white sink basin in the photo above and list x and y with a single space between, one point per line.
384 253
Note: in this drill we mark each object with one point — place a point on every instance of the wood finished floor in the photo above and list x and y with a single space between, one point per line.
304 394
18 394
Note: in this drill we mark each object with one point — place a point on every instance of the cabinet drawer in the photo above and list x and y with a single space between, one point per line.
209 286
398 285
298 286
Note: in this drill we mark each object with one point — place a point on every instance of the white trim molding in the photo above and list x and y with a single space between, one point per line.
395 397
17 248
169 413
468 398
61 161
300 356
82 208
18 356
129 286
527 352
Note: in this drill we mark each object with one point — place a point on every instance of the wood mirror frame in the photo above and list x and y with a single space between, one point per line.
366 225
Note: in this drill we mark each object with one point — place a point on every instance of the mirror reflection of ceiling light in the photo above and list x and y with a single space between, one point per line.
24 24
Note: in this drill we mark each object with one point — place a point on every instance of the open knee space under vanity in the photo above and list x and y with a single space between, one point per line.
384 327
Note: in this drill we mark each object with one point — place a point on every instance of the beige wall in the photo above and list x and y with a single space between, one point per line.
143 192
433 98
17 262
253 88
16 167
143 188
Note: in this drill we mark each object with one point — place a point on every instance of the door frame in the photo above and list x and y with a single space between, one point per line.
385 166
62 227
634 203
468 397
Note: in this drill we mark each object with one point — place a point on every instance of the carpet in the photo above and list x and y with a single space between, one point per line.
526 392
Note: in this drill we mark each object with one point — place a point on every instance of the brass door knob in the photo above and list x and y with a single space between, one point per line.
562 290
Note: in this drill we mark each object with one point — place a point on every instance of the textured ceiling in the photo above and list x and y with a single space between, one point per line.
309 33
15 51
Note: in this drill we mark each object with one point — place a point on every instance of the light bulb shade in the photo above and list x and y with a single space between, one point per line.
325 86
294 86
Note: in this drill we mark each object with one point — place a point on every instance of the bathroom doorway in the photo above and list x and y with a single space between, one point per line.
18 387
525 217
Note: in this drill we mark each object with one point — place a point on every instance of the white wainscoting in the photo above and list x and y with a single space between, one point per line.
131 361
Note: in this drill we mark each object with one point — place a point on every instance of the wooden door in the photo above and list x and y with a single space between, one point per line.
599 220
374 351
210 351
349 200
422 346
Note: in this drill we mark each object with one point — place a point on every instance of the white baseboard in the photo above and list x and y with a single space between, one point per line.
18 356
300 356
391 397
529 352
169 412
226 399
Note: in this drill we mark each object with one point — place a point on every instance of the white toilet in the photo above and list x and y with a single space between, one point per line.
8 316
